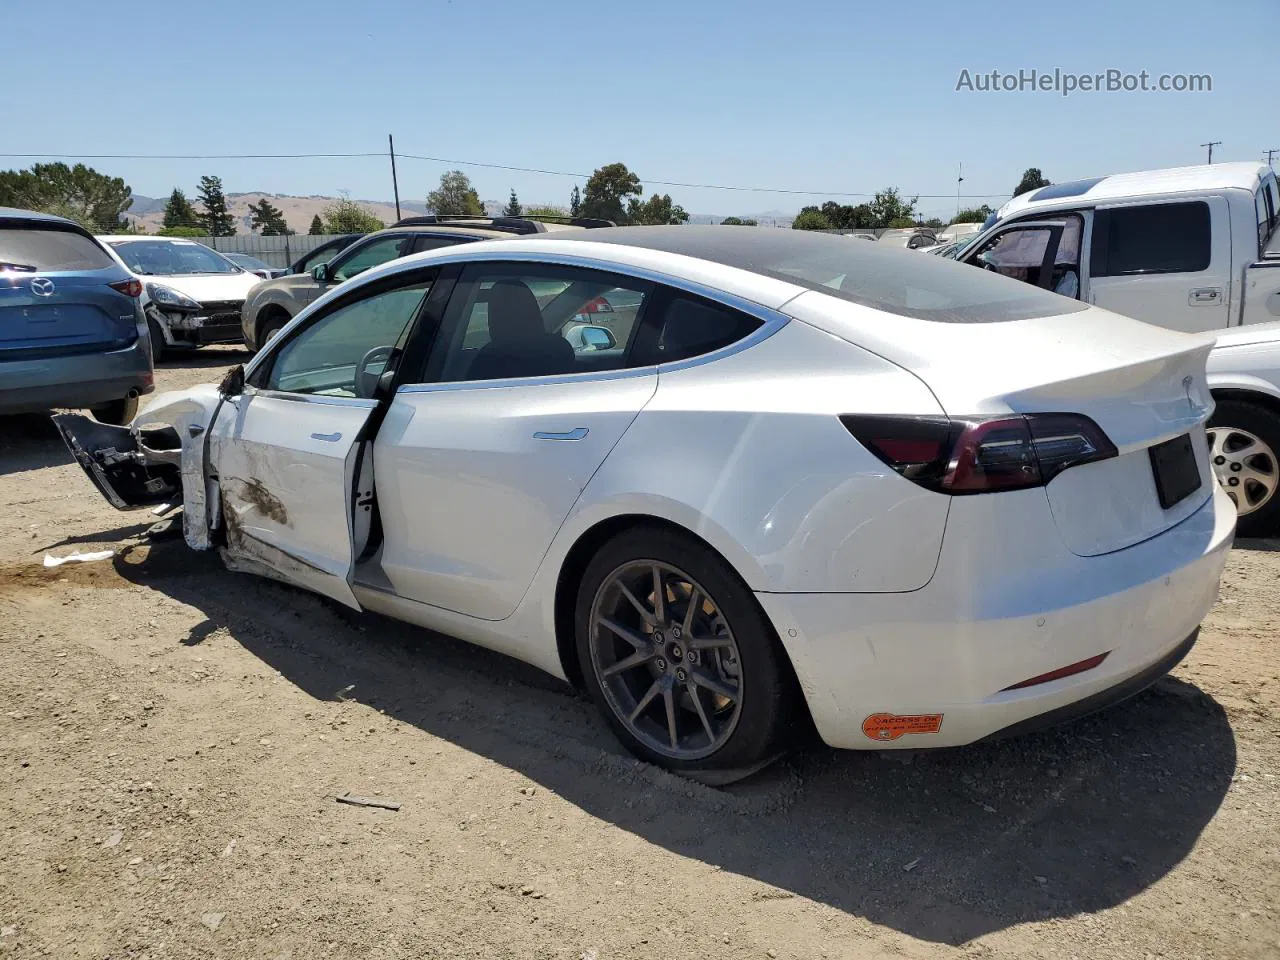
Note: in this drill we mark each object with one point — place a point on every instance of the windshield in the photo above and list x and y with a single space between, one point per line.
171 258
246 261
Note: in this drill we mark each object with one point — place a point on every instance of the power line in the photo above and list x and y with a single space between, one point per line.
468 163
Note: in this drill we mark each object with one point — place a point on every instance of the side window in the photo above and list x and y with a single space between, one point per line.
689 326
343 353
1263 217
422 244
317 257
1154 238
524 320
372 254
1019 253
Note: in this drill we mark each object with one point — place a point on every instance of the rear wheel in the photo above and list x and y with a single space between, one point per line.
680 659
1244 439
117 412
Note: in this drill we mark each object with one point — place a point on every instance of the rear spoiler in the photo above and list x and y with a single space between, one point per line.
518 225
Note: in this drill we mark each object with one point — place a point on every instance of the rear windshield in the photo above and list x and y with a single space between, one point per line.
28 249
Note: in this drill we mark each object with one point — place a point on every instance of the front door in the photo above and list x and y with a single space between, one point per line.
290 454
1168 264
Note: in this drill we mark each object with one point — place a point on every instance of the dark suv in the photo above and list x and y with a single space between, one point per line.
274 303
72 332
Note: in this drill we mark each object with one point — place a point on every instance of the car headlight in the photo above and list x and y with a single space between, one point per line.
171 299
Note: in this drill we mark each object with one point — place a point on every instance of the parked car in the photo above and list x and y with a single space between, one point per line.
958 231
72 332
193 294
909 238
323 253
922 503
1193 249
275 303
255 266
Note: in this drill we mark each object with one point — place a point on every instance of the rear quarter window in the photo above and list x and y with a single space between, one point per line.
51 250
1152 238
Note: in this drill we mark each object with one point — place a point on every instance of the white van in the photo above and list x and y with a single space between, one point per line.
1190 248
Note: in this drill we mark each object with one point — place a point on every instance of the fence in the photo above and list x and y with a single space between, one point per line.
276 252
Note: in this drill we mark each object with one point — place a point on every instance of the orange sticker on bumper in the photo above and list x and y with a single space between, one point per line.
890 726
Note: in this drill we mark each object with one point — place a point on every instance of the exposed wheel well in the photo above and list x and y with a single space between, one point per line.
1264 400
575 564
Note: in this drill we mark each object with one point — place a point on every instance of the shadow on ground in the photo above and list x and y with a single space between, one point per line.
945 845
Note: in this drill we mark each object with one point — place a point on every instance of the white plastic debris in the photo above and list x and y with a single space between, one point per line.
51 561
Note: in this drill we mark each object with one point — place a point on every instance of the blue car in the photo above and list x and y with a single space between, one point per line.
72 330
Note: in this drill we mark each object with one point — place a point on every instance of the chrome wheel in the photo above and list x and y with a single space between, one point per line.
666 659
1245 466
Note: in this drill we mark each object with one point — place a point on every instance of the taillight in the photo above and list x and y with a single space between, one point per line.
982 454
130 288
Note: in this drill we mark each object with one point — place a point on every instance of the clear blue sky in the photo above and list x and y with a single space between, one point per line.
802 94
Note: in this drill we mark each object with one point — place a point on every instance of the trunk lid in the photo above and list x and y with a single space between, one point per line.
1142 385
51 312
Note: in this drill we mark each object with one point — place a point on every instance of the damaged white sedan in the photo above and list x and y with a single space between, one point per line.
727 480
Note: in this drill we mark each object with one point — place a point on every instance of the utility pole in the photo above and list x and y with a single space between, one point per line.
959 180
1211 144
1271 156
395 186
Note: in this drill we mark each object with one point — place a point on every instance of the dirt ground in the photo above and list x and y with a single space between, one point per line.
173 737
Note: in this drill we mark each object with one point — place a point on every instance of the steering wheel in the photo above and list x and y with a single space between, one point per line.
366 382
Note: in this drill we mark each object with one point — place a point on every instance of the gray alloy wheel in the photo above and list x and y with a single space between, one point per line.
666 660
1245 465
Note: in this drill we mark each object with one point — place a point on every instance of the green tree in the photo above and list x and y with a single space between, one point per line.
347 216
889 208
934 223
973 215
810 218
843 216
82 193
513 208
656 210
268 219
317 226
182 232
455 197
178 212
738 222
575 201
1032 179
215 219
544 211
608 189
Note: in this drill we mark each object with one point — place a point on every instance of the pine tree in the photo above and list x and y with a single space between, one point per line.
317 226
268 219
575 201
178 212
513 208
215 219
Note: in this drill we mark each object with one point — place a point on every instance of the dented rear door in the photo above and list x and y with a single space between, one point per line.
286 468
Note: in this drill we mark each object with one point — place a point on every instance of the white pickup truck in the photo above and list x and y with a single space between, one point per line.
1191 248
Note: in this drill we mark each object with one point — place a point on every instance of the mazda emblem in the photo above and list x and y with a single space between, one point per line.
42 287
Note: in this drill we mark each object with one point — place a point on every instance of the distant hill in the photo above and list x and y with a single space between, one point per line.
147 213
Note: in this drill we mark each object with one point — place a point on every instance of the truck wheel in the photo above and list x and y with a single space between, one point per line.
1244 439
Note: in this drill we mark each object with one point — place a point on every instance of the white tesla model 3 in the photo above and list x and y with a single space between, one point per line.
722 479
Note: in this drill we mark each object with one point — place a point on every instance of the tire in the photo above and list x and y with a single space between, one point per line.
270 327
157 342
1236 423
117 412
718 739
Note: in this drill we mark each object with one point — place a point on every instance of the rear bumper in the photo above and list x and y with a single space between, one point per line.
78 381
1007 603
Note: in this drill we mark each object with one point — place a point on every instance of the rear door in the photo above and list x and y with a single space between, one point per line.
1165 263
478 465
1262 276
290 454
55 296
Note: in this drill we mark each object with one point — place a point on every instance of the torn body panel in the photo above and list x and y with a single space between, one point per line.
158 458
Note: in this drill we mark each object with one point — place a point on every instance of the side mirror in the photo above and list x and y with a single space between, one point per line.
232 384
320 273
598 338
